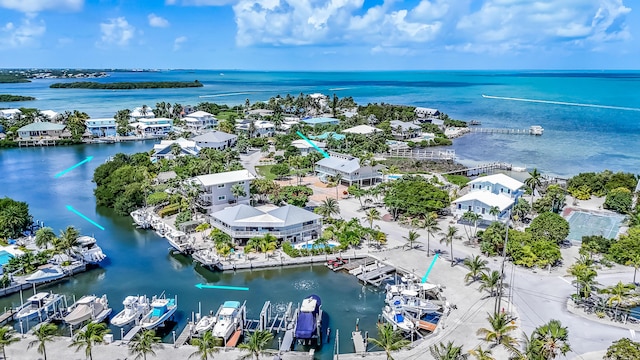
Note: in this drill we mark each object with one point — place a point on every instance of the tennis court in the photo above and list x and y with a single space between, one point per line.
582 223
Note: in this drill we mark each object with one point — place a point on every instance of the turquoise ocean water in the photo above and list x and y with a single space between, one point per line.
576 138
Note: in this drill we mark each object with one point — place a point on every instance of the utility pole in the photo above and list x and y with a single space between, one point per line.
504 258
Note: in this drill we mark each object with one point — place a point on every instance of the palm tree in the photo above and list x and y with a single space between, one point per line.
551 340
44 334
449 236
7 337
67 240
371 215
499 331
256 344
476 266
430 225
490 282
534 181
449 351
207 346
93 335
389 339
144 343
268 243
481 354
335 181
618 293
411 237
585 274
494 211
44 237
238 191
328 207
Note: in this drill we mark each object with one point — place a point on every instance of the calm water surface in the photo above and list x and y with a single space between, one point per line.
139 261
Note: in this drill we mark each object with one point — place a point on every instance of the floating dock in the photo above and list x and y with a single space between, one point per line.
376 277
131 333
358 342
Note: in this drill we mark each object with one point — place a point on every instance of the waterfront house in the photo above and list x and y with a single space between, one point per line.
140 113
305 147
49 114
423 112
200 120
260 112
326 135
320 121
215 140
216 189
41 130
9 113
362 130
164 149
350 168
287 223
261 128
402 130
153 126
485 192
101 127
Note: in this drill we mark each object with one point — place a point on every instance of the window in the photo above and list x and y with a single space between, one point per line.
470 208
501 190
241 183
459 206
508 191
222 197
220 186
483 211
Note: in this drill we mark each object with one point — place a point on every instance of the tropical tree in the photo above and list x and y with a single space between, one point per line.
494 211
7 337
266 243
585 275
44 334
481 354
623 349
44 237
238 191
476 267
335 181
206 345
447 351
412 237
533 181
328 207
550 340
449 236
256 344
92 335
430 225
499 330
67 240
491 282
371 215
472 218
144 343
389 339
618 293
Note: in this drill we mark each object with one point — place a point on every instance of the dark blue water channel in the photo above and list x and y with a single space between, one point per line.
139 261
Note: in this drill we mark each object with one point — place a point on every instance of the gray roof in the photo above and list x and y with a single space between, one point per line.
245 215
166 175
404 125
42 126
344 165
214 136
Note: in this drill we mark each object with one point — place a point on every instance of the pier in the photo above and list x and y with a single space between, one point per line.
480 169
358 342
7 316
420 154
376 277
533 130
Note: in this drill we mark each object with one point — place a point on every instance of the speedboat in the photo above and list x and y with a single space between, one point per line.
395 316
229 318
205 323
140 219
161 310
309 321
38 305
89 307
134 308
45 274
88 250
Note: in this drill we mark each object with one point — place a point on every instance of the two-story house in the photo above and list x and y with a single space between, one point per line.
153 126
101 127
287 223
215 140
349 168
486 192
165 150
217 189
402 130
423 112
41 130
200 120
257 128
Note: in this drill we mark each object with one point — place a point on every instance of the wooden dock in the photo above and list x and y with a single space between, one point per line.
480 169
508 131
287 341
129 336
7 316
185 335
358 342
420 154
234 339
376 276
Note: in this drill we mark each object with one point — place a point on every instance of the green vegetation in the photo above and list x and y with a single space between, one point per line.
6 78
414 196
265 171
549 226
14 218
297 195
389 339
8 98
387 112
623 349
88 338
459 180
584 185
126 85
44 334
619 200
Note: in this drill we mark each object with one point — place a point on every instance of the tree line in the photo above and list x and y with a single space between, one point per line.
126 85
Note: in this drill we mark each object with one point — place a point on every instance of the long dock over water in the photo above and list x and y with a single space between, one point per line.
533 130
420 154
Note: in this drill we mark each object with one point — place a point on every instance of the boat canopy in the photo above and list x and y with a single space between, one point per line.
231 304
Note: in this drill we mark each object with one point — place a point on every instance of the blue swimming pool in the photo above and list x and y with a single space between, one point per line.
316 246
5 257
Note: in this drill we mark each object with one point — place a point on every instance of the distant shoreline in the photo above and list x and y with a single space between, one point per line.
127 85
9 98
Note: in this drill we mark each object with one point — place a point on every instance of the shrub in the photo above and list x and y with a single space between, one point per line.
183 217
169 210
619 200
157 198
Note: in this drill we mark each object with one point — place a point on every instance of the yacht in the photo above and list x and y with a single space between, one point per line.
38 305
134 308
88 250
89 307
309 321
45 274
161 310
229 318
396 316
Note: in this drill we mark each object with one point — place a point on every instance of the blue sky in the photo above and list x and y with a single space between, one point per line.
321 34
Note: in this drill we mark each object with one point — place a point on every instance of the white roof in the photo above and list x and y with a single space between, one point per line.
488 198
49 113
101 120
200 114
303 144
137 112
10 111
361 129
502 179
225 177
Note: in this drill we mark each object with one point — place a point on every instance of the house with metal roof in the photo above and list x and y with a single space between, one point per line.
494 191
349 168
287 223
164 149
153 126
423 112
200 120
41 130
326 135
306 147
9 113
362 130
216 189
215 140
402 130
101 127
320 121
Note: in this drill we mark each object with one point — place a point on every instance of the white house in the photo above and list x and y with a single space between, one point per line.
9 113
153 126
200 120
216 189
350 169
402 130
163 150
101 127
320 121
423 112
40 130
486 192
140 113
287 223
305 147
362 130
216 140
261 128
50 114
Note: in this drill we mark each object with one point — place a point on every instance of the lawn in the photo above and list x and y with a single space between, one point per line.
265 170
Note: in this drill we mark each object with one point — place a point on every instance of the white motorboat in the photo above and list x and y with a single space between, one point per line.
39 305
88 250
140 218
230 317
205 323
89 307
161 310
134 308
395 316
45 274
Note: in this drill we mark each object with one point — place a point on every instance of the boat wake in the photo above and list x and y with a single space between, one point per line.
562 103
222 95
338 89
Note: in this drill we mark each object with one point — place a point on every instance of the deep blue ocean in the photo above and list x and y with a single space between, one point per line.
576 138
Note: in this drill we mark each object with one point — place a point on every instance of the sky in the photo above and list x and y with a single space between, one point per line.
321 34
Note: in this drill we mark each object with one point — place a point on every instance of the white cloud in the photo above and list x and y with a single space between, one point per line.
25 34
33 6
177 43
157 21
116 31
